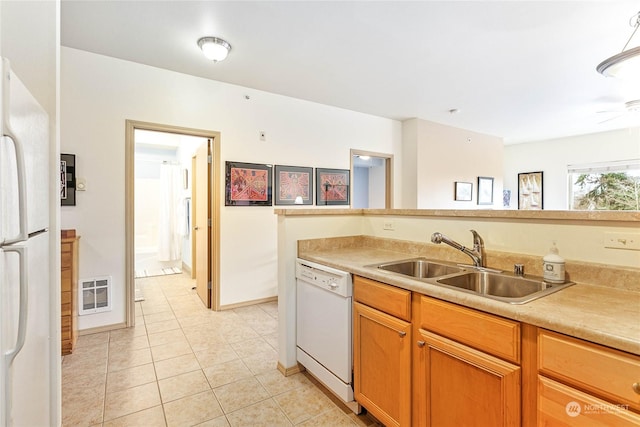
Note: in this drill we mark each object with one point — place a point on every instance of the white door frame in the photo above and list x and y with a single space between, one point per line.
131 126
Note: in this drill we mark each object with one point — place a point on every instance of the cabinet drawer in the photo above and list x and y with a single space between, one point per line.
491 334
65 330
66 259
65 303
386 298
594 368
559 404
65 297
65 279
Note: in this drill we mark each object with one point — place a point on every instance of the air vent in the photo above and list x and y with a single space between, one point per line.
95 295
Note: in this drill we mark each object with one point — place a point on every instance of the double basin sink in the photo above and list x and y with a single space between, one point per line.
476 280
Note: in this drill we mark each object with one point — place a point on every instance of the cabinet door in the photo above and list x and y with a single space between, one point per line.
461 386
382 365
561 405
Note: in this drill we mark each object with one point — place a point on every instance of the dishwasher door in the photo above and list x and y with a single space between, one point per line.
324 328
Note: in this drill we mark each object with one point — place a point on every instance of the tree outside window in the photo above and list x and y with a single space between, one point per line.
608 187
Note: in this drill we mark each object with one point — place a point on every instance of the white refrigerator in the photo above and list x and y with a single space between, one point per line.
25 285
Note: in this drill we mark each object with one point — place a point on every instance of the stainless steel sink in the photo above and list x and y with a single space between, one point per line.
504 287
480 281
420 268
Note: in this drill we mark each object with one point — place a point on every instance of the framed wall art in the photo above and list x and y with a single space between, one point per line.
332 186
294 185
67 180
248 184
463 191
530 191
485 190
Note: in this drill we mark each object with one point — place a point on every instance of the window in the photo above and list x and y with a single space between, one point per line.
611 186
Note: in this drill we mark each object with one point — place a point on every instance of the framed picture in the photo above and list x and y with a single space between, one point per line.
485 190
463 191
506 198
67 180
332 186
294 185
247 184
530 191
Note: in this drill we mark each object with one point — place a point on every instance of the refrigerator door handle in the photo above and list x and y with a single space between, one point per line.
20 164
11 354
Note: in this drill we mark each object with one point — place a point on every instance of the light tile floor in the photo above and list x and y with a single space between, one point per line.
184 365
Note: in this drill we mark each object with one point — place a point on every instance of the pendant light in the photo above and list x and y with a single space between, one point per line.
627 62
214 48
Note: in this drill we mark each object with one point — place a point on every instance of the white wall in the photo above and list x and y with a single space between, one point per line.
99 93
409 167
444 155
28 39
553 156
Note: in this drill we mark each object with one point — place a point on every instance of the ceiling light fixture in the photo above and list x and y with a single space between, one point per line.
214 48
627 62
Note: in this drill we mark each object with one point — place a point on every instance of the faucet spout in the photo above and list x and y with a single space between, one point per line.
476 254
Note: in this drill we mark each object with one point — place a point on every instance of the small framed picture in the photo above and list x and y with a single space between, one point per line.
247 184
463 191
332 186
294 185
485 190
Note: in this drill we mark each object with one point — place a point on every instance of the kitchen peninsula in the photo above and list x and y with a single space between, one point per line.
602 308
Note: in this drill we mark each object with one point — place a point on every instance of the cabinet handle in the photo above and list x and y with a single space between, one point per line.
421 344
636 387
402 334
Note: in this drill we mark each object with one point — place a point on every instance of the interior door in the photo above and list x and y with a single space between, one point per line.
202 220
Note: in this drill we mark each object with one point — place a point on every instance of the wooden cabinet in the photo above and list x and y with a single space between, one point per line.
460 375
420 361
382 351
582 383
69 290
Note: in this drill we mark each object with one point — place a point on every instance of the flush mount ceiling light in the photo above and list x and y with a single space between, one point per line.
627 62
214 48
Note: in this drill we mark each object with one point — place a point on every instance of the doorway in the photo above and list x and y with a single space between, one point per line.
372 182
160 225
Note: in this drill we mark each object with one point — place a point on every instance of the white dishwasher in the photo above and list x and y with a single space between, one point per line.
324 333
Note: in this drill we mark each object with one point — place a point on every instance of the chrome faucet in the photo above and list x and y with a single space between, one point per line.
477 254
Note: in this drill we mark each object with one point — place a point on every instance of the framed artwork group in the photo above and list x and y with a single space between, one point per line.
255 184
530 191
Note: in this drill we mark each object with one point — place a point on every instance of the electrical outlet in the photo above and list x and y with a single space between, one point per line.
627 241
388 225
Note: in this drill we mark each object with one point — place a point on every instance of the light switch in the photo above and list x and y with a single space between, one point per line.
81 184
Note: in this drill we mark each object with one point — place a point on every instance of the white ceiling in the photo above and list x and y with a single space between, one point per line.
521 70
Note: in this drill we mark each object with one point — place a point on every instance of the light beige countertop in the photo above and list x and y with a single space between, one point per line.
605 315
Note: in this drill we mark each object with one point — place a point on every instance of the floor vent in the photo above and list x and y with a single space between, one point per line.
95 295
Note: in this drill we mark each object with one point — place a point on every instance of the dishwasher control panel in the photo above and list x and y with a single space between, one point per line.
324 277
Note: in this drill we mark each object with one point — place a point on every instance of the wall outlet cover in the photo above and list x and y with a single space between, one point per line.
629 241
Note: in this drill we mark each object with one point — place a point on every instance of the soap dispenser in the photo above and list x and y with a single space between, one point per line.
553 266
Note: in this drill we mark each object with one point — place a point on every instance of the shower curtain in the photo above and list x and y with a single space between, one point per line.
170 229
